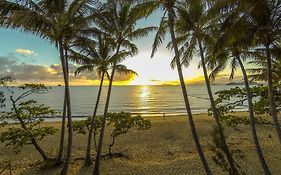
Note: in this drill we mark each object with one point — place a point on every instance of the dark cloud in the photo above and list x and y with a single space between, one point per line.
25 72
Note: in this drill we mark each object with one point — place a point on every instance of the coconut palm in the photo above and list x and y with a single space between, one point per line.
100 60
54 20
195 28
118 21
265 17
170 8
264 24
236 52
259 73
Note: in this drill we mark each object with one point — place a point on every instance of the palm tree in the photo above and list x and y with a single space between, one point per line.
259 73
170 7
100 60
235 52
118 21
263 18
54 20
196 29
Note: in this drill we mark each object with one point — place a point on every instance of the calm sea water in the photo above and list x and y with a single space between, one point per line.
145 100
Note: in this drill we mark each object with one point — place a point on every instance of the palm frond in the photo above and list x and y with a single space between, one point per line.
160 35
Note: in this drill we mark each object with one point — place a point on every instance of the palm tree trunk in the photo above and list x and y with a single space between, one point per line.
98 156
187 105
64 63
93 120
62 134
252 119
216 115
95 142
271 98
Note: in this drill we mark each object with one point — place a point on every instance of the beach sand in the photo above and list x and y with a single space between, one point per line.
167 148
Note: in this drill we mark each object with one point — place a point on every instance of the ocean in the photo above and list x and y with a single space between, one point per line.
144 100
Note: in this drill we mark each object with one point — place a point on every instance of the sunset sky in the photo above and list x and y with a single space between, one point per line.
28 58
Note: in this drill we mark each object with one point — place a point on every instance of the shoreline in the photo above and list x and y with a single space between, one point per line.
147 115
166 148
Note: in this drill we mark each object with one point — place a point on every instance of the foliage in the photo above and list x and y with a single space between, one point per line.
121 122
29 114
18 137
233 99
220 157
3 82
83 126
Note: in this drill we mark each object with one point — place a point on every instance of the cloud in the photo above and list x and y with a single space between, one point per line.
26 52
51 75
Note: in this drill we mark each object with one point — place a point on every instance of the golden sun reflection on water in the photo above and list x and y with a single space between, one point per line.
144 94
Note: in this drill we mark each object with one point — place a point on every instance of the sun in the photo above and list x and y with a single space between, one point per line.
141 81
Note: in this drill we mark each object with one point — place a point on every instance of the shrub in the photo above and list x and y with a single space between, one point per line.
29 115
121 122
83 126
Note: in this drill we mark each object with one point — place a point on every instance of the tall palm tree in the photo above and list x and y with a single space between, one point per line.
264 24
235 52
100 60
170 7
53 20
118 21
195 27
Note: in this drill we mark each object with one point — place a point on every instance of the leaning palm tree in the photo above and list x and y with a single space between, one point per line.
118 21
53 20
170 7
263 18
100 60
236 52
196 29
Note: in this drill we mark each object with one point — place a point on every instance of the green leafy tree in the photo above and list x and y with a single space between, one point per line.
122 122
29 114
231 100
84 126
228 101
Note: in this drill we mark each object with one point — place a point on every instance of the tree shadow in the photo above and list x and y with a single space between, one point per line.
85 170
115 155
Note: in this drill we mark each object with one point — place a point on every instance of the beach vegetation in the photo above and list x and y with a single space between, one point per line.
99 58
29 115
121 122
118 20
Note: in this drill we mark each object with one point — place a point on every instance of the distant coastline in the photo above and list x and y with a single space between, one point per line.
242 83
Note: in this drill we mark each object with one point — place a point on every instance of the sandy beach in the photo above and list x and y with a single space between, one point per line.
166 148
